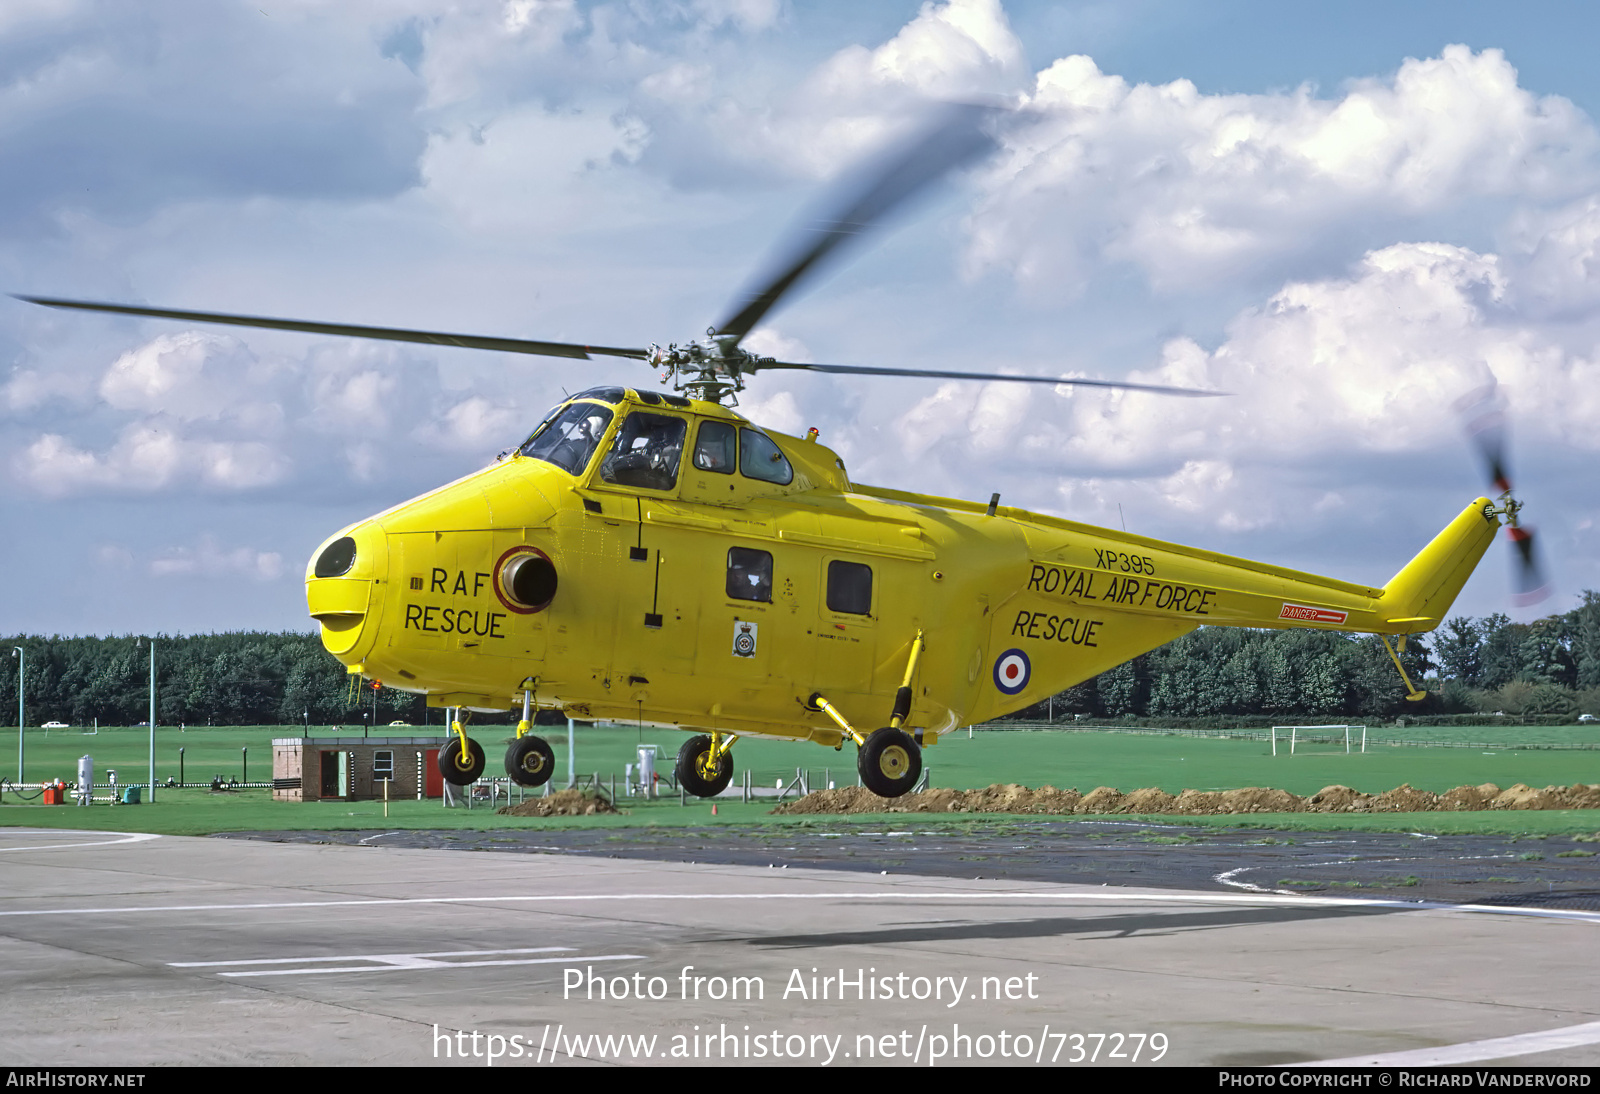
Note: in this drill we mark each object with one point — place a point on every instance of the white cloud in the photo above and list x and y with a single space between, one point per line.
208 559
1190 187
1561 252
529 168
958 48
198 410
769 342
1323 374
147 458
778 410
187 374
473 425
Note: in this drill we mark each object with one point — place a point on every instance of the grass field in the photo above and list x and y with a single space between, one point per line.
1070 758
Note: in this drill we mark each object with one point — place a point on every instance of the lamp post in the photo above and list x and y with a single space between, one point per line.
22 665
136 645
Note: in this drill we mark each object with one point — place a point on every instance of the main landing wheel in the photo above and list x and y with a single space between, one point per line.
530 761
890 762
451 767
699 773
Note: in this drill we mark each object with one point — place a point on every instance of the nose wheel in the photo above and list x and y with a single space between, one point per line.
889 762
704 770
530 761
457 771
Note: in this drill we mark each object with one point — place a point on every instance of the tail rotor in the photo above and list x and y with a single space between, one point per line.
1483 413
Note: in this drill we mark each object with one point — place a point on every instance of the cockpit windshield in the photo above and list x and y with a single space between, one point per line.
569 436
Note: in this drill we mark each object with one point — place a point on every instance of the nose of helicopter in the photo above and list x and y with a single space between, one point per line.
339 585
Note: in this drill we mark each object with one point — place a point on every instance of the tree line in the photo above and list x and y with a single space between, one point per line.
1468 666
240 678
1486 665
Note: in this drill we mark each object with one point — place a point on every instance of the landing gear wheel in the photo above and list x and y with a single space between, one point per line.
530 761
890 762
698 773
451 767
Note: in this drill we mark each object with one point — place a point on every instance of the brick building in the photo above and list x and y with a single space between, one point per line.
355 768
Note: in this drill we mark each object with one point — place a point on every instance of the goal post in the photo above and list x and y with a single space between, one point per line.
1346 738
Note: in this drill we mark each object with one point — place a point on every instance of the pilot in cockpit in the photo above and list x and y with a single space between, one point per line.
646 451
569 437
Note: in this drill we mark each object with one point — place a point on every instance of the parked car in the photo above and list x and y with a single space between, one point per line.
1585 719
399 723
63 725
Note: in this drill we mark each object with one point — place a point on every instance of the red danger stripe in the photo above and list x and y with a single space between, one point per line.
1304 614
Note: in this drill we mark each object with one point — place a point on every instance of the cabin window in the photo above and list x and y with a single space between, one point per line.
716 449
760 458
749 574
383 765
850 588
569 436
646 452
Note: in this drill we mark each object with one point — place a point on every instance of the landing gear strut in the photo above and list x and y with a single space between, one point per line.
889 760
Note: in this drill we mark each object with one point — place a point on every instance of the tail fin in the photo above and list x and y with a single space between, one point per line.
1417 598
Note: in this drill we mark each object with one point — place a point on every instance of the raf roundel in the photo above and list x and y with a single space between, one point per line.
1011 671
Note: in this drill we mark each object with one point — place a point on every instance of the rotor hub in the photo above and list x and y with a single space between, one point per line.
712 368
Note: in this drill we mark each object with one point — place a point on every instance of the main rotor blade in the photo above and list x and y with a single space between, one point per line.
955 137
868 370
348 330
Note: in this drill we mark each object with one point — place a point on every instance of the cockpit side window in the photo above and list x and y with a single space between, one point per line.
716 448
569 436
760 458
646 452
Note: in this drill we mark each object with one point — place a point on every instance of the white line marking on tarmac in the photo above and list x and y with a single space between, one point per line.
390 962
122 837
1227 876
1471 1052
359 957
1112 897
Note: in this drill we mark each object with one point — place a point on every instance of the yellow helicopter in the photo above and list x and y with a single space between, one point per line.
657 558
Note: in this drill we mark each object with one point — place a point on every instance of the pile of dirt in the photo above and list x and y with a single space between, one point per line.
857 799
1012 798
1468 798
563 803
1523 796
1339 799
1257 799
1405 798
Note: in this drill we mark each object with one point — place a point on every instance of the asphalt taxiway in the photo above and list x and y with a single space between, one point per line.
126 950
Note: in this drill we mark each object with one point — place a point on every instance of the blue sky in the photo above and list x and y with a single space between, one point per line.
1349 214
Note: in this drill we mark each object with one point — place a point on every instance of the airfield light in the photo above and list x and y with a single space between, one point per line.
22 664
